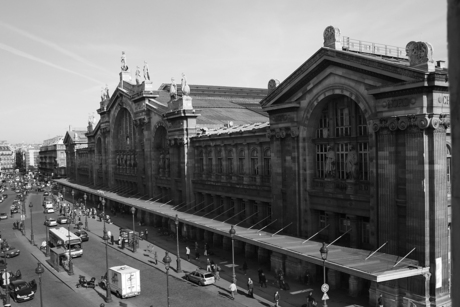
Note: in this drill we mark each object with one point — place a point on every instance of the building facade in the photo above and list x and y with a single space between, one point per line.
52 158
7 159
32 159
353 149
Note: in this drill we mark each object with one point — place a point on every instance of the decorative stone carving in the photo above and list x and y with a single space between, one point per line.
351 163
414 122
124 64
185 88
146 71
173 89
294 131
272 85
332 38
138 75
420 54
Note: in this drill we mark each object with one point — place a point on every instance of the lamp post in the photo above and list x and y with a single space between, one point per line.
133 210
73 199
179 270
86 220
323 250
31 205
167 261
47 251
108 294
6 277
70 255
63 192
232 233
39 271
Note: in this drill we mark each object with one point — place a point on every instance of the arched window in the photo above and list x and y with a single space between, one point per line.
230 161
254 162
267 162
342 142
241 162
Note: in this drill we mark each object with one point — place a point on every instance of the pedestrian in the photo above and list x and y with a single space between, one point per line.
259 272
263 280
233 290
277 298
205 249
208 265
245 267
217 275
311 302
111 239
250 287
380 300
187 252
197 254
146 233
155 257
109 234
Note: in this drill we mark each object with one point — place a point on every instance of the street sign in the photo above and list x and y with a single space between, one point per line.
325 288
325 297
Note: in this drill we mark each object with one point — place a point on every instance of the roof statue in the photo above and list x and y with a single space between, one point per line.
185 87
138 75
102 93
332 38
91 121
173 89
124 64
146 71
419 53
272 85
107 95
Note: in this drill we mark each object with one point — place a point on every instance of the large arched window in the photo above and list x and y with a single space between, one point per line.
341 141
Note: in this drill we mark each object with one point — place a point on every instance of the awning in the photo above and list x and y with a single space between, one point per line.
379 267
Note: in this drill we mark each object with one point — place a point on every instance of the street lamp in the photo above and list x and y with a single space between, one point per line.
232 233
179 270
39 271
86 220
108 294
70 254
31 226
133 210
6 277
73 199
323 250
47 251
167 261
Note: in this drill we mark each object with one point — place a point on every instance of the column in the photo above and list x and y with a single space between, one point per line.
227 243
217 240
294 268
239 247
354 231
333 278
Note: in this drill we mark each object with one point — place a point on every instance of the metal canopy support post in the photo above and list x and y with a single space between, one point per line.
376 250
404 257
166 203
339 237
259 222
221 213
282 229
315 234
247 218
266 226
212 210
193 207
234 215
204 208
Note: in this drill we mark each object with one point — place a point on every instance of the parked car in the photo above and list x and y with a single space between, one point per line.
62 220
3 216
49 210
11 252
200 277
50 222
22 291
82 234
46 193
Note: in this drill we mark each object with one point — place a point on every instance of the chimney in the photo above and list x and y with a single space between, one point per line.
441 64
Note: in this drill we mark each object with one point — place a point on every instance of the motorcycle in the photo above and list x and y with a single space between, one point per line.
82 282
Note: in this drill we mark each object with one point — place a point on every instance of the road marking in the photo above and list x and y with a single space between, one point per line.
301 291
231 265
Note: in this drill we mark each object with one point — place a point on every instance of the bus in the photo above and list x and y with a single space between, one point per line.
59 236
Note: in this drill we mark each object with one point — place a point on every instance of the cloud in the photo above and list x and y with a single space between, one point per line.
34 58
54 46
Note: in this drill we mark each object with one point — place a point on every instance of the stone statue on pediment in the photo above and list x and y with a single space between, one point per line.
102 93
124 64
351 163
107 94
146 71
184 86
138 75
173 89
330 162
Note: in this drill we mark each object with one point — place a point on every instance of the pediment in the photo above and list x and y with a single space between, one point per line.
390 72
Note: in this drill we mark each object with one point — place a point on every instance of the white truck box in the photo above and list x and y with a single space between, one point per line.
125 281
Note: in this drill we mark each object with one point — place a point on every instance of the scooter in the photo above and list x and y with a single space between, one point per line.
82 282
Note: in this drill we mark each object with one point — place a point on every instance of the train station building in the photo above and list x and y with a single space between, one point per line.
352 149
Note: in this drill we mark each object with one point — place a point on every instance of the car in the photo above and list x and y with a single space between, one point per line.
5 195
11 252
50 222
46 193
82 234
47 210
22 291
3 216
200 277
62 220
18 191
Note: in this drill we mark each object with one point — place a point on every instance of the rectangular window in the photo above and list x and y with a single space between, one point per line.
209 164
220 166
323 128
342 123
267 166
363 157
241 165
362 125
321 151
342 153
254 166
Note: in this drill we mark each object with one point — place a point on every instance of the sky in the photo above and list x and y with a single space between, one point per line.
56 55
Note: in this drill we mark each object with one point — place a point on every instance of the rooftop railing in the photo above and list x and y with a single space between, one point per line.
373 48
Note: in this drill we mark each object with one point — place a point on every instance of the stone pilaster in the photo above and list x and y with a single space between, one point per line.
227 243
333 226
239 247
354 231
276 262
333 278
294 268
217 240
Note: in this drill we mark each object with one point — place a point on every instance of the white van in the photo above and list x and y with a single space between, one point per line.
125 281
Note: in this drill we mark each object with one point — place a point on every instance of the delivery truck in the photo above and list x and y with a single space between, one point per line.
125 281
